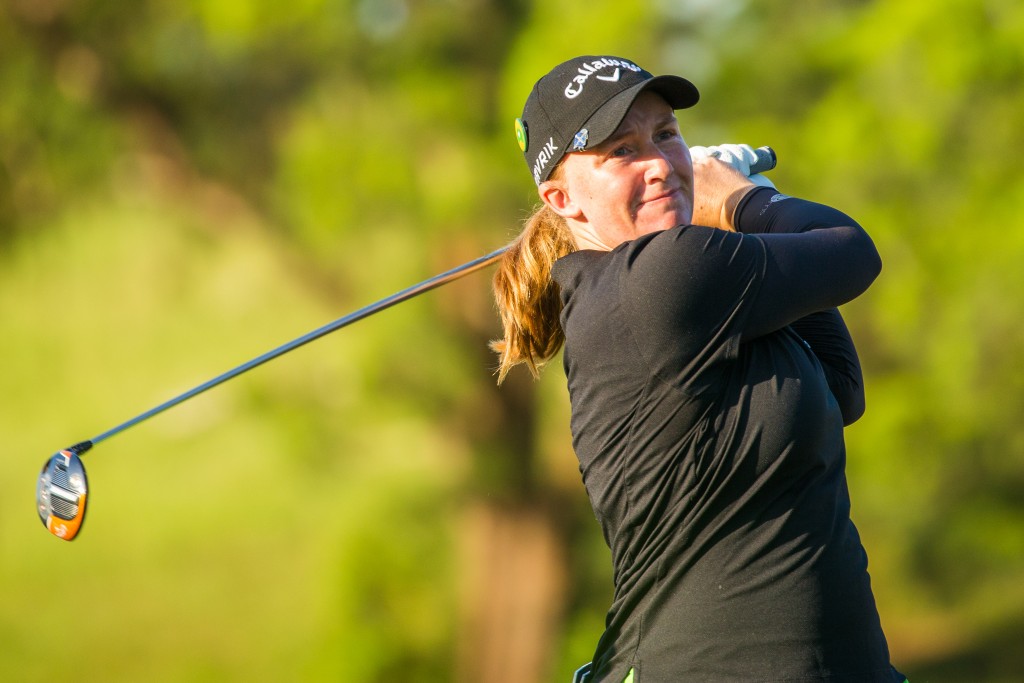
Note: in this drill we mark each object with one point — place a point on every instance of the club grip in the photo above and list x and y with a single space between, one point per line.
766 160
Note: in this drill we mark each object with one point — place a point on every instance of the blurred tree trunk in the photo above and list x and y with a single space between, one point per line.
512 594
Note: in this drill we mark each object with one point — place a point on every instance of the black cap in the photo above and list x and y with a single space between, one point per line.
581 102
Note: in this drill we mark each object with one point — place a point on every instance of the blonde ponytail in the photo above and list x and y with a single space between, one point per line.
527 298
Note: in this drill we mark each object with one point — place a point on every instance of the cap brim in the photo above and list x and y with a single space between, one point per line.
677 91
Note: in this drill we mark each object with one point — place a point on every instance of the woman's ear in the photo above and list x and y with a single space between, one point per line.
556 196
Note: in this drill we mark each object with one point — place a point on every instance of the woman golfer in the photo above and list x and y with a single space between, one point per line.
710 377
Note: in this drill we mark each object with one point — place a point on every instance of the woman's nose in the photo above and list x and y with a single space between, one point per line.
658 165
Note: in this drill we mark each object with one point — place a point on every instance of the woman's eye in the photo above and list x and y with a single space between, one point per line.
666 135
620 151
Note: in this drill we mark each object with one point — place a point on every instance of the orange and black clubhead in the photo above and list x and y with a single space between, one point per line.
62 492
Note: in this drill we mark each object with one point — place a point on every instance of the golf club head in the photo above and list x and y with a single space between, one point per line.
61 494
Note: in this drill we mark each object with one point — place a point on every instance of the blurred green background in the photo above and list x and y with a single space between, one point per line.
184 185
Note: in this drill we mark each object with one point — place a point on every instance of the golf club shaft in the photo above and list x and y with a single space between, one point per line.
398 297
766 161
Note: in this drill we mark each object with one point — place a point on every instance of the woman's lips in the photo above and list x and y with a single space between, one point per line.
667 195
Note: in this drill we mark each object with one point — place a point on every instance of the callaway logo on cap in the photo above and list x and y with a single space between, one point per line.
581 102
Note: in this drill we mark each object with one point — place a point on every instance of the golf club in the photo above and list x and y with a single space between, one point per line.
62 488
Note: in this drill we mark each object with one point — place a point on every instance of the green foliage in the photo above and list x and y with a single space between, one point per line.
185 185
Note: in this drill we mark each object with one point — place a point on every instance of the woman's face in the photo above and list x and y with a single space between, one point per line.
638 181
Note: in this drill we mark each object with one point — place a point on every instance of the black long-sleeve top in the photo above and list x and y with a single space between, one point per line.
710 377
